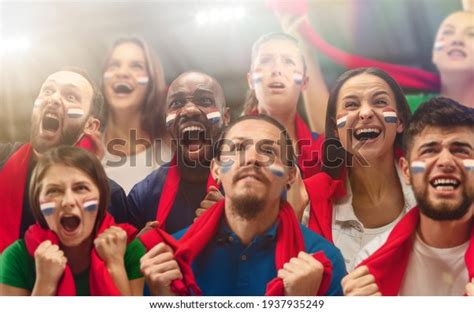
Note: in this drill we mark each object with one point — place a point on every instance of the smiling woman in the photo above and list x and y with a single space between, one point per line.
75 248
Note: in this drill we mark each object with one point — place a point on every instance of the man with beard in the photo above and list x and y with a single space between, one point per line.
431 250
169 196
249 243
67 111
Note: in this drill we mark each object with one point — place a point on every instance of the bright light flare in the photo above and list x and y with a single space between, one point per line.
217 16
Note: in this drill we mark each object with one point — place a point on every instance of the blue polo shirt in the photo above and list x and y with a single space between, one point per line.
144 197
227 268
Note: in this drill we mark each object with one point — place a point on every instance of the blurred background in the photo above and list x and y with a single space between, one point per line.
40 37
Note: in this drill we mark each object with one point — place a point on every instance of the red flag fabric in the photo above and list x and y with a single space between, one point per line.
289 243
388 264
100 281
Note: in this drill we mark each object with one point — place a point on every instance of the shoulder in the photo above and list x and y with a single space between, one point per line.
314 242
154 181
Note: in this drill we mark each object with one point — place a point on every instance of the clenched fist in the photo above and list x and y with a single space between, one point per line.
50 263
302 275
360 283
110 245
160 268
470 288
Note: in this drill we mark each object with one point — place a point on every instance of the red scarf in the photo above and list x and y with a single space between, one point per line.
169 191
310 149
13 183
389 263
289 243
100 282
322 191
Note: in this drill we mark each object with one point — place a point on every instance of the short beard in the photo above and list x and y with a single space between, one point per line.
248 207
68 137
442 212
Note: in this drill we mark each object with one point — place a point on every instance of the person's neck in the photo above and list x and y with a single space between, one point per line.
195 173
370 191
78 257
286 118
445 234
458 86
247 230
120 126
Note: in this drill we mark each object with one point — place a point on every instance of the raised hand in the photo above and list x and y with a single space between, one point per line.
50 263
110 246
360 283
213 196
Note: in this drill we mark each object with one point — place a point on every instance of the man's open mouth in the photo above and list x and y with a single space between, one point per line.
70 223
123 88
50 122
445 184
365 134
193 137
458 53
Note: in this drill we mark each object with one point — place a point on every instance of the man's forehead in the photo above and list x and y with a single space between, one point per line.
254 128
445 135
192 82
68 78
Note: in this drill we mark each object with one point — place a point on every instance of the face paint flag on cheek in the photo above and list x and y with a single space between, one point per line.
418 167
226 165
108 75
298 78
389 115
439 44
142 80
170 119
37 102
75 112
91 205
469 164
214 117
257 77
341 120
48 209
276 170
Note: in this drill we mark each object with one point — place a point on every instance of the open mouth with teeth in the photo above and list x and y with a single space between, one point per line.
193 138
445 184
123 88
366 134
50 122
70 223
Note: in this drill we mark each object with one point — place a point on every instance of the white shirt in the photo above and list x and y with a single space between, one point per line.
349 234
435 271
131 169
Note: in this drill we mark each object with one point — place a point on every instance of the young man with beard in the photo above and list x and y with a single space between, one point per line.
169 196
249 243
67 111
431 250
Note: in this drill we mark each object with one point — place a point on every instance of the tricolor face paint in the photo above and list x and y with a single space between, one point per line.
48 209
389 115
276 170
75 112
298 78
214 117
439 44
170 119
91 205
108 75
142 80
226 165
38 103
341 120
468 164
257 77
418 167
